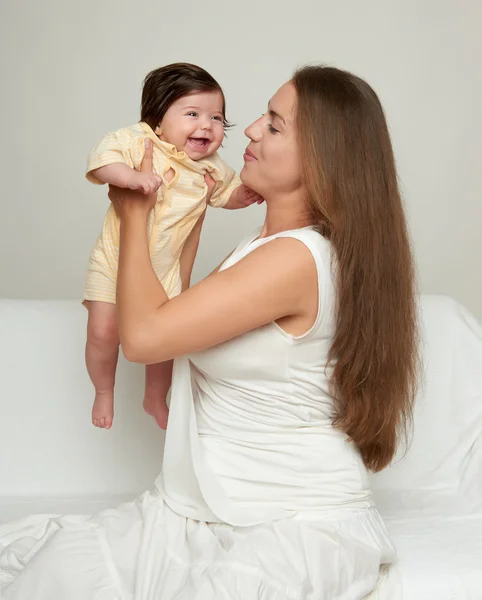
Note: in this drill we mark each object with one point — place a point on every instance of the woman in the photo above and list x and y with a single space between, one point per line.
295 373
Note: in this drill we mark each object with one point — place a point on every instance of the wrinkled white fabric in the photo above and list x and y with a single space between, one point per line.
143 551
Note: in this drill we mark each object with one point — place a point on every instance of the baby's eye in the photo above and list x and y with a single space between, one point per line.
192 114
218 118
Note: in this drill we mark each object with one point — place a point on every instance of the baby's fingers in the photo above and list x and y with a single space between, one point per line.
152 185
146 188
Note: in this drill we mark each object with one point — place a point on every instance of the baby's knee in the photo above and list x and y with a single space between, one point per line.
102 328
104 333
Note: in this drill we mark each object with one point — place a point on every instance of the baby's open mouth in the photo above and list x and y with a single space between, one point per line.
199 143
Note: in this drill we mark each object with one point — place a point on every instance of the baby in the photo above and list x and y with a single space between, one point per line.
183 115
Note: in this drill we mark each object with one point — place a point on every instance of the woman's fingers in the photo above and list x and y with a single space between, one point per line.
111 192
113 195
146 164
211 185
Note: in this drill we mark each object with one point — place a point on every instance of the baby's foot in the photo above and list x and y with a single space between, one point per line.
103 409
156 407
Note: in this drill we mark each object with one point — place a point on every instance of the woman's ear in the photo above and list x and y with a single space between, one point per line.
158 130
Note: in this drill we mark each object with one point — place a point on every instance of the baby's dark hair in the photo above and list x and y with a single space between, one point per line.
163 86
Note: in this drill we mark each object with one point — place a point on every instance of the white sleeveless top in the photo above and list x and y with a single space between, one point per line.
250 436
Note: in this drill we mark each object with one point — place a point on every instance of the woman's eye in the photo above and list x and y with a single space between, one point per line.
271 129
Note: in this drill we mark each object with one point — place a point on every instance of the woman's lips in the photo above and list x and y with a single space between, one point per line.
248 155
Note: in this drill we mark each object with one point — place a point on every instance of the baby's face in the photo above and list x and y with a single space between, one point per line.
194 123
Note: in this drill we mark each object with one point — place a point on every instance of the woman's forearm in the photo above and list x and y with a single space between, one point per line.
139 292
188 254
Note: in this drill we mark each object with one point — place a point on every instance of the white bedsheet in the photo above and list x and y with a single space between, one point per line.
17 507
438 537
439 558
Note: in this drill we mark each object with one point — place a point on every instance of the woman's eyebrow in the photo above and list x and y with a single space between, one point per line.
273 113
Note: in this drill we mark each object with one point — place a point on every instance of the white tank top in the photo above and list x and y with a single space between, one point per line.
250 435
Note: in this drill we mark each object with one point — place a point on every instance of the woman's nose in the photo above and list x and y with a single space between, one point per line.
255 130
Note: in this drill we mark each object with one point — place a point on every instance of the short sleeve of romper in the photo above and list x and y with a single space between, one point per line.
115 147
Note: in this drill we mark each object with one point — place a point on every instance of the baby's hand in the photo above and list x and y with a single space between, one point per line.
242 197
144 182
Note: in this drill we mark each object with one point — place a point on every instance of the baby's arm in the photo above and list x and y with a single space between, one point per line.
123 176
112 161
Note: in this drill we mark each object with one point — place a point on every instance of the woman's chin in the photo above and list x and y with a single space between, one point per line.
247 180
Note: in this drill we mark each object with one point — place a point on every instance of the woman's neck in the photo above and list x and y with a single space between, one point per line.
283 216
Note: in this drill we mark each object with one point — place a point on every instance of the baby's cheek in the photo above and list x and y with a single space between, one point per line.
218 141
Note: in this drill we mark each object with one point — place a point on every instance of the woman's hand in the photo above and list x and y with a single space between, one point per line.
127 201
139 292
211 185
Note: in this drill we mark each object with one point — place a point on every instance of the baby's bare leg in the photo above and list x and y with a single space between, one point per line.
101 354
158 382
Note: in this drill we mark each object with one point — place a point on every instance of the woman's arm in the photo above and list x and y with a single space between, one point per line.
189 252
272 282
276 280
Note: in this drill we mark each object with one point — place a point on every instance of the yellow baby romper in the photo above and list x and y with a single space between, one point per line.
179 205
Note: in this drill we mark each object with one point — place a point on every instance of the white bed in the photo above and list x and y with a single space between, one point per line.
52 460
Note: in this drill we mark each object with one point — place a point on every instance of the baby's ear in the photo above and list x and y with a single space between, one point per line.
158 130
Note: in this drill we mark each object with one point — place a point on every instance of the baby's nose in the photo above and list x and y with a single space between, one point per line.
207 124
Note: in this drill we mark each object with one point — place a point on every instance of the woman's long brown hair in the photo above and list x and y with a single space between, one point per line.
350 175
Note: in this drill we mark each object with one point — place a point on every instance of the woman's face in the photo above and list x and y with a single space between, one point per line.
271 161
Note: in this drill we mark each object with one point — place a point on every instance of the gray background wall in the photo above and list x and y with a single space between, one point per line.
70 71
